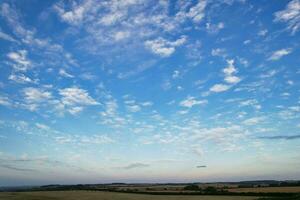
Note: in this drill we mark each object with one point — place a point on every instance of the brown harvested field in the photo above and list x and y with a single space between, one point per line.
295 189
93 195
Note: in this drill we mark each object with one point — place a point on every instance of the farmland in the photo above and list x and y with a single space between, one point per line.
91 195
295 189
249 190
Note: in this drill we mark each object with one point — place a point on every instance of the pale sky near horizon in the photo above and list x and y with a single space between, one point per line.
145 91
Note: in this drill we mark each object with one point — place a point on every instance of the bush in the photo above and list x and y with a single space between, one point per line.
210 189
192 187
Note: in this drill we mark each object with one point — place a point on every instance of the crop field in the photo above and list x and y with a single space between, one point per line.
95 195
295 189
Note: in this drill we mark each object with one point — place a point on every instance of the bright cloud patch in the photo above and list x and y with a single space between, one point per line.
290 15
276 55
163 47
21 63
191 101
219 88
74 95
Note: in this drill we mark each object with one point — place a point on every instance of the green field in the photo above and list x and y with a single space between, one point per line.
93 195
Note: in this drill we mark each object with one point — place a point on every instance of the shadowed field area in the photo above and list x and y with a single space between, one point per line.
89 195
295 189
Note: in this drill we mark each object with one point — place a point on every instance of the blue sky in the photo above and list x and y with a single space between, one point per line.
145 91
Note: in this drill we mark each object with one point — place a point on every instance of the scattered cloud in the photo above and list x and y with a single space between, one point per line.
229 71
262 32
218 52
214 28
5 101
76 96
163 47
175 74
276 55
191 101
133 108
36 95
21 78
20 61
63 73
76 14
253 121
42 126
219 88
7 37
290 15
197 13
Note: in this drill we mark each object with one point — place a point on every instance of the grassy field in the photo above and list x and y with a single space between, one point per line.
295 189
89 195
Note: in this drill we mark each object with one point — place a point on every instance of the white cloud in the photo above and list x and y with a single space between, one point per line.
225 137
139 69
290 15
5 101
121 35
183 112
36 94
21 78
232 79
269 74
229 71
262 32
166 85
110 115
76 14
76 96
163 47
133 108
251 102
192 101
196 13
20 59
88 76
42 126
247 42
34 97
290 82
253 121
63 73
95 139
175 74
147 103
84 140
7 37
214 28
218 52
276 55
219 88
75 110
